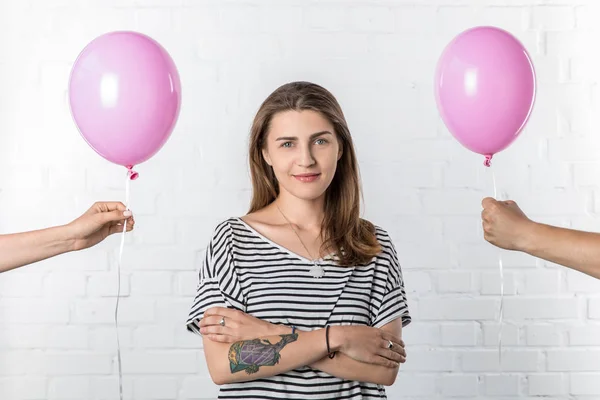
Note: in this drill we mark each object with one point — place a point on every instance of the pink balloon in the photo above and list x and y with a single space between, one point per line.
485 89
125 96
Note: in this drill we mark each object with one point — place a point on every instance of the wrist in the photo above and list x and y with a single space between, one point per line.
66 238
277 329
336 338
529 237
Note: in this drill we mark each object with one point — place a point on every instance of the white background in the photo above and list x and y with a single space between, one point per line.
57 340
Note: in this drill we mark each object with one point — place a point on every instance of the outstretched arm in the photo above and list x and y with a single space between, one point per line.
101 220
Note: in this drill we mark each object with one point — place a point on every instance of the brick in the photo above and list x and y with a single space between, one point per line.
430 361
371 19
460 335
417 282
171 362
157 388
584 384
152 284
541 282
457 309
556 18
512 360
544 335
76 364
594 308
546 385
154 337
69 388
501 385
510 334
573 360
546 308
454 282
25 388
588 335
422 333
460 385
411 384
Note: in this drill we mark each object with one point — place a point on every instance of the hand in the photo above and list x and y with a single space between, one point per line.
97 223
369 345
238 326
504 224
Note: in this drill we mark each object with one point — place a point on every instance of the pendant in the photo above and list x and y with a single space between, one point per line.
317 271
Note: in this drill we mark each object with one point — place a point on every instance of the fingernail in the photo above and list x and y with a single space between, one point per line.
127 213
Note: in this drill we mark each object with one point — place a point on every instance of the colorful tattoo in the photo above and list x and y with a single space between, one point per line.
249 355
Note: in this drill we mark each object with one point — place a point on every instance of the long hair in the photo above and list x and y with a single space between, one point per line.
352 237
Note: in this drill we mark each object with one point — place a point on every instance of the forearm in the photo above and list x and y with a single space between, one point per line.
571 248
19 249
344 367
248 360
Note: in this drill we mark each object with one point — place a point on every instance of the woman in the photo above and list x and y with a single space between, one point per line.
301 298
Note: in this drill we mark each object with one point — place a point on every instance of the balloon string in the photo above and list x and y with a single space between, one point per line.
130 177
501 313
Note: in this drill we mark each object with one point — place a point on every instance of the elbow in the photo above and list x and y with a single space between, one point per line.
389 377
218 379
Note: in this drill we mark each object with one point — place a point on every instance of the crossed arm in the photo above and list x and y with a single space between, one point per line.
248 349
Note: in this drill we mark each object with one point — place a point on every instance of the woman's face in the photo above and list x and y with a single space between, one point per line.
303 150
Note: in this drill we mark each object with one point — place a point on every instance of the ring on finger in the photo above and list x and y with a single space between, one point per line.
390 344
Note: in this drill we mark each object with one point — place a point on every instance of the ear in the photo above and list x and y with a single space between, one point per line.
266 156
340 154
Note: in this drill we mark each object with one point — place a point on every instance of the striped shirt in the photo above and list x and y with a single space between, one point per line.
243 269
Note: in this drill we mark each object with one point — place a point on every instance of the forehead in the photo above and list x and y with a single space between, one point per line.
298 123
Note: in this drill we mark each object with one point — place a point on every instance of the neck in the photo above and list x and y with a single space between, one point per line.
306 214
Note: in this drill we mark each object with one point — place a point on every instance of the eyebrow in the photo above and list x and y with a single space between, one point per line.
314 135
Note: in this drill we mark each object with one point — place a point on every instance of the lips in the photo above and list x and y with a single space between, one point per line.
307 177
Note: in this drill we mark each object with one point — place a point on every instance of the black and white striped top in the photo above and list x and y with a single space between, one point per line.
244 270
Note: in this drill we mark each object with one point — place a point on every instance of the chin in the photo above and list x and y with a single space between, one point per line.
307 194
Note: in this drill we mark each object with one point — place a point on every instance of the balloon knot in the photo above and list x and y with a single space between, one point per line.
488 160
132 174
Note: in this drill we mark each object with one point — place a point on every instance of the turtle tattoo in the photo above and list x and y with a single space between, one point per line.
250 355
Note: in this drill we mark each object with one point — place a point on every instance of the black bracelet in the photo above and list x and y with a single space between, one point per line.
293 329
330 354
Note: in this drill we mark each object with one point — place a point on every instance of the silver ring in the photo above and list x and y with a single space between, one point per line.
222 321
390 344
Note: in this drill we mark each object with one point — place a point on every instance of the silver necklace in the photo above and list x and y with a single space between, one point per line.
316 270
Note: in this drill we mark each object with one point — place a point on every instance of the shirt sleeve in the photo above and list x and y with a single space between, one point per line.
218 283
393 304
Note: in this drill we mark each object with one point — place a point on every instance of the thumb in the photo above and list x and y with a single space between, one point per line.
488 201
116 215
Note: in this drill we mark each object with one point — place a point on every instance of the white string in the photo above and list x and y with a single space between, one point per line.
501 314
120 259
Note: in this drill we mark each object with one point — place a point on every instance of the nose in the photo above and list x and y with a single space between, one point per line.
305 158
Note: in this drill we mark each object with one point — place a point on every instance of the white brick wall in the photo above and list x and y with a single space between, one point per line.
378 57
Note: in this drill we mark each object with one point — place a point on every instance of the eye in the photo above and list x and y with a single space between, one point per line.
323 141
286 144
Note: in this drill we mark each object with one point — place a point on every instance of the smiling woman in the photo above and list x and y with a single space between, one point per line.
301 293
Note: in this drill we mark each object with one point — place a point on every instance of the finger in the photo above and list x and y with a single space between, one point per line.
222 311
488 201
210 320
116 215
388 337
390 355
386 362
215 329
106 206
220 338
118 228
